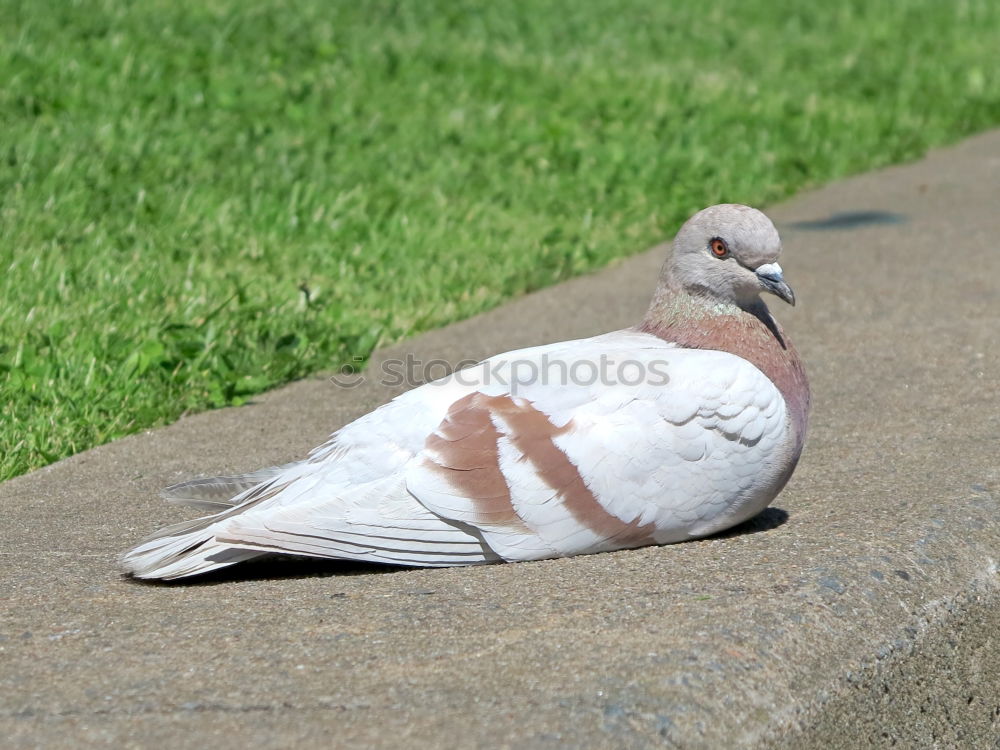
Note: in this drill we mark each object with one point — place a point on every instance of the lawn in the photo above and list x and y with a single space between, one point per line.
202 199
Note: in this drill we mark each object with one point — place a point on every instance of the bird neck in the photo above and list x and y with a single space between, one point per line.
750 332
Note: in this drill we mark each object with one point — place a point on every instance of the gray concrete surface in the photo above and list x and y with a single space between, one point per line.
861 611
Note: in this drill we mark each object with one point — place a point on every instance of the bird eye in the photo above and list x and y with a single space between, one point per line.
719 247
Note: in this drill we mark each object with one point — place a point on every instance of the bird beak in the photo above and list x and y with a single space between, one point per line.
771 280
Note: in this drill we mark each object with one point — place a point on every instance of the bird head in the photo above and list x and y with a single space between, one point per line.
729 253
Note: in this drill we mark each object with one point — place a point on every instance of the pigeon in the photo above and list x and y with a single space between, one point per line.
685 425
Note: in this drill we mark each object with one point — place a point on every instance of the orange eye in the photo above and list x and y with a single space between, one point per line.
719 248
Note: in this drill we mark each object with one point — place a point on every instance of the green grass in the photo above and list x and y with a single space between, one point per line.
201 199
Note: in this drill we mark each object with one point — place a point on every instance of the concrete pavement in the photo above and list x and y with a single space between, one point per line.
862 610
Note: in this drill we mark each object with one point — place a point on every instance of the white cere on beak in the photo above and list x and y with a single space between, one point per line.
770 271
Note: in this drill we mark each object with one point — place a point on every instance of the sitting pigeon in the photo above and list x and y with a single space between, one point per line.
683 426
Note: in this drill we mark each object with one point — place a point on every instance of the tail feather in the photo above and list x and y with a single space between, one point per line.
190 547
218 493
168 557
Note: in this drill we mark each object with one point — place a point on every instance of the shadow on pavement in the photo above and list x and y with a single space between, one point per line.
767 519
275 567
849 220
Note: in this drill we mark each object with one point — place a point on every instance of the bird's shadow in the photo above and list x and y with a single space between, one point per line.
276 567
767 519
285 567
